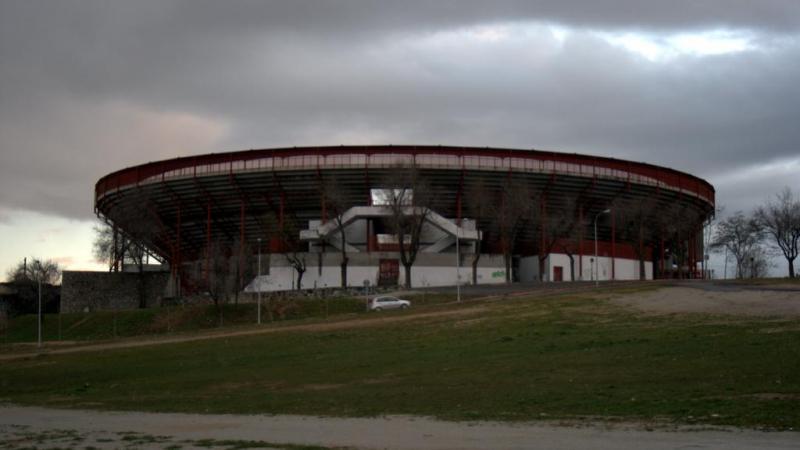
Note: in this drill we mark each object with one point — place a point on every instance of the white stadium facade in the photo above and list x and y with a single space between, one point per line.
489 215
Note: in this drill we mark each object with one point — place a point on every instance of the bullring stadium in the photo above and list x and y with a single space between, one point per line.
575 217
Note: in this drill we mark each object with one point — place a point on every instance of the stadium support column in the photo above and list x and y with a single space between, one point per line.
177 261
115 250
458 208
241 245
580 243
693 260
542 255
689 255
637 273
696 253
324 207
280 211
661 262
368 220
613 245
459 195
208 243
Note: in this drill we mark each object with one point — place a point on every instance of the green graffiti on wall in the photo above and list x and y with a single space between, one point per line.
499 274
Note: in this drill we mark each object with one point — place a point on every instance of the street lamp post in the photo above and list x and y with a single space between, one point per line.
458 269
39 314
258 281
596 272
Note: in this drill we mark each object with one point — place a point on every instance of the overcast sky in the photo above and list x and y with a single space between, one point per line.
88 87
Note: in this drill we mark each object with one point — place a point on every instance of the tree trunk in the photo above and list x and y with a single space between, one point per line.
507 259
237 282
642 272
300 279
541 268
344 254
142 289
475 259
407 270
791 268
343 267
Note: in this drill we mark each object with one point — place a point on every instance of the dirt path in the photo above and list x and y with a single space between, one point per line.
358 322
725 299
501 292
396 432
702 297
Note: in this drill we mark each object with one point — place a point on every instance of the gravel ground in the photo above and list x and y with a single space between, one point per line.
712 298
154 430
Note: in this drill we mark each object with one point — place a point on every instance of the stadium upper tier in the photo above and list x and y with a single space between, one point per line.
178 205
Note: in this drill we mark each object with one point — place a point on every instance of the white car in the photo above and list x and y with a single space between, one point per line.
388 302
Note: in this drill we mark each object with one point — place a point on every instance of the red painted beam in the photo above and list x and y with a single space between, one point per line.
241 244
580 242
613 244
208 243
188 165
177 261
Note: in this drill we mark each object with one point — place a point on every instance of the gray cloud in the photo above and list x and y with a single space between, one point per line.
90 87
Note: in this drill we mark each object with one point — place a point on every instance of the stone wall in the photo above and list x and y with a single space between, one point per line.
94 291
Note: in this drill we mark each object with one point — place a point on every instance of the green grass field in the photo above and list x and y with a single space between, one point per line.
181 319
520 359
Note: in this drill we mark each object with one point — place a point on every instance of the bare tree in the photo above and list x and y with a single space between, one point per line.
479 206
35 270
334 200
111 247
298 262
740 235
756 263
558 228
408 199
567 228
242 258
510 211
287 233
221 272
677 224
24 277
780 221
709 224
634 225
107 247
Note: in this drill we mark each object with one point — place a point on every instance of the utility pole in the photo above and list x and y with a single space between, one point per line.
596 272
39 315
258 281
458 268
725 273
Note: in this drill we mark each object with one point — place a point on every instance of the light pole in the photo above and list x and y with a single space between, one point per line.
458 269
258 281
39 315
725 273
596 272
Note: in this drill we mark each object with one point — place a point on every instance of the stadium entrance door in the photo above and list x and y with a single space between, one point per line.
389 272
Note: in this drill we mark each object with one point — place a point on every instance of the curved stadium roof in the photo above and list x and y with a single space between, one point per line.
179 198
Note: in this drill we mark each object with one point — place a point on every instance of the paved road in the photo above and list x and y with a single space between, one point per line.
400 432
